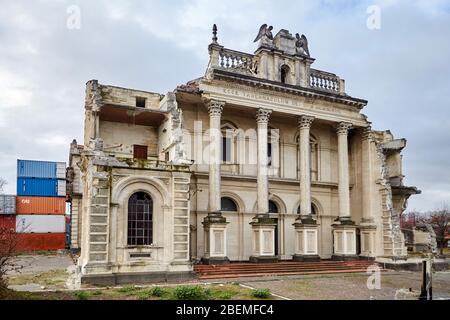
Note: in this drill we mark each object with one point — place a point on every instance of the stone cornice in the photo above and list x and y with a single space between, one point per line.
277 86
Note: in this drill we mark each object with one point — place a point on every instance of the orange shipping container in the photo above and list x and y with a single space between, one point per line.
40 205
40 241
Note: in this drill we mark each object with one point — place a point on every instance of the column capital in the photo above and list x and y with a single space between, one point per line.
215 107
343 127
367 133
262 115
305 122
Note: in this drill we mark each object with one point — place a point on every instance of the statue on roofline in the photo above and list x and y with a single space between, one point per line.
265 35
301 45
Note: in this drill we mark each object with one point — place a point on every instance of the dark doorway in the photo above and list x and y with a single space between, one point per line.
276 236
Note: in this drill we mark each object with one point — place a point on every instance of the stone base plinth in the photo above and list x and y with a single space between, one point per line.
264 259
344 235
263 239
215 260
347 257
215 239
137 278
305 258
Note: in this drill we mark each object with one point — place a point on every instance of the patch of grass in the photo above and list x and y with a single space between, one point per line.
148 293
82 295
129 290
190 293
261 293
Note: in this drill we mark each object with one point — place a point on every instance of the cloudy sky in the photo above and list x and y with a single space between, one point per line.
402 68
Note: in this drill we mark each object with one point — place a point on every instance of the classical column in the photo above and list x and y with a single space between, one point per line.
263 226
367 226
215 108
344 231
214 224
262 119
343 175
304 125
306 228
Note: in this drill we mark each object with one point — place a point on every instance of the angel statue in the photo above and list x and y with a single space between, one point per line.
265 34
302 44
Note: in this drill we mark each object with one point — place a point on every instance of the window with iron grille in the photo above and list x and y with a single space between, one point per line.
140 219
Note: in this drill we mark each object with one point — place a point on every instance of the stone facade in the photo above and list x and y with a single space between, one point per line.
263 159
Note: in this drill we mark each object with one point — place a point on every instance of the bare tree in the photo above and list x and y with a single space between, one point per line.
8 246
439 220
3 183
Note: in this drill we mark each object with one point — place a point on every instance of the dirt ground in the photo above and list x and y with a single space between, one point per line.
394 285
46 272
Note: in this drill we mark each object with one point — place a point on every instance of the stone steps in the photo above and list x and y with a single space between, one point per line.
234 270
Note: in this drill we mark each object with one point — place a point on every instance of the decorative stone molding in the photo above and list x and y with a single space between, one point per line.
305 122
263 115
343 127
215 107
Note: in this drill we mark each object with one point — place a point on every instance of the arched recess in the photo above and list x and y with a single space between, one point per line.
279 202
314 145
120 196
239 203
285 75
316 208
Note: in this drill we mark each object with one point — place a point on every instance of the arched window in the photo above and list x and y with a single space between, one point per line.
284 74
273 208
313 209
140 219
228 204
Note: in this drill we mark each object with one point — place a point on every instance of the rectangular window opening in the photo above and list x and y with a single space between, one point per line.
140 102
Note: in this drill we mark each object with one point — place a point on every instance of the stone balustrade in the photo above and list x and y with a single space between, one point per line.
236 61
326 81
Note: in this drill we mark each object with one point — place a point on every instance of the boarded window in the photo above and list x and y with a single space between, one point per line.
140 102
140 152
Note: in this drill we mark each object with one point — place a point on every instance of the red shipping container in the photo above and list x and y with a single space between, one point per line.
40 205
8 221
41 241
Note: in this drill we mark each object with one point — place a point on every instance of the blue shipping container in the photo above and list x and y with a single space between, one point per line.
40 169
39 187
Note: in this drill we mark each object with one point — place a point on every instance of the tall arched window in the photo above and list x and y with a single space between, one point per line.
140 219
273 208
228 204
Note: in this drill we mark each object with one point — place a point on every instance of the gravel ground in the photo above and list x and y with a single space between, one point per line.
354 286
42 263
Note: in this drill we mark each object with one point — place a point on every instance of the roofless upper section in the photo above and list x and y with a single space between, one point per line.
282 58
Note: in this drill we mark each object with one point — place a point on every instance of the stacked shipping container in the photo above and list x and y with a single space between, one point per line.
40 205
7 211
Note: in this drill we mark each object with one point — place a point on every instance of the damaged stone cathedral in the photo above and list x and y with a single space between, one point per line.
262 159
